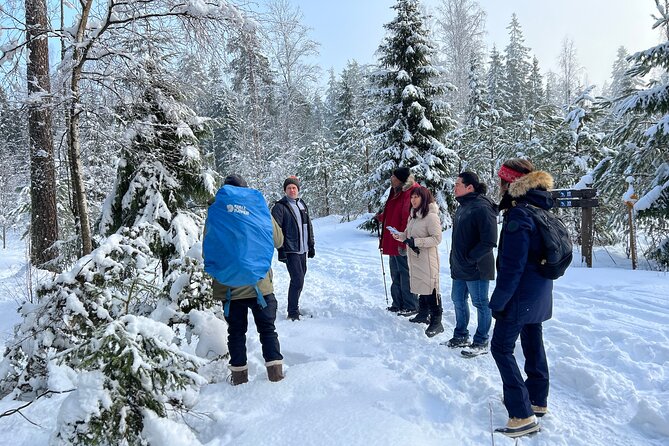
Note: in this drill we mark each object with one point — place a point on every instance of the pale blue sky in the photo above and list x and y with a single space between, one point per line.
353 29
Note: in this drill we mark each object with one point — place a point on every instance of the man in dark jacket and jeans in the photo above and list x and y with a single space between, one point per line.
293 216
472 261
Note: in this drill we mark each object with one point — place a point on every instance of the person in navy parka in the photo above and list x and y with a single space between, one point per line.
522 298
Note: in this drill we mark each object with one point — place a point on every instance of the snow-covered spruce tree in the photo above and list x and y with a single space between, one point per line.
163 181
517 72
414 118
641 143
482 132
253 89
353 138
149 265
575 150
131 370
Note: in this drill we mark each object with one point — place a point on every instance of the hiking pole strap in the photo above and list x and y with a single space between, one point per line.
261 298
226 307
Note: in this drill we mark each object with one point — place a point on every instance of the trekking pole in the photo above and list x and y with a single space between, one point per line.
383 269
492 432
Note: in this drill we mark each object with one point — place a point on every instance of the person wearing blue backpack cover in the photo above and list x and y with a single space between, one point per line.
239 242
523 297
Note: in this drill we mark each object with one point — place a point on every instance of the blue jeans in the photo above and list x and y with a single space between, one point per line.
400 289
519 395
238 324
478 290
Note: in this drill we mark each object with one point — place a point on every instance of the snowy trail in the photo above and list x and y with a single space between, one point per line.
355 367
359 375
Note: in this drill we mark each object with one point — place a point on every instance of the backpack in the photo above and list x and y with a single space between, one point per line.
557 250
238 241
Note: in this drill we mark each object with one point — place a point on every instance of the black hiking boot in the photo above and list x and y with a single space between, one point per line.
434 305
423 316
457 342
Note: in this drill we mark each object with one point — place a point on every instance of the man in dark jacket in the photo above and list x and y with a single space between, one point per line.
292 215
396 214
472 261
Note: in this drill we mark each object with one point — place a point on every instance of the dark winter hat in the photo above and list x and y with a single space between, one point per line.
291 180
235 180
402 173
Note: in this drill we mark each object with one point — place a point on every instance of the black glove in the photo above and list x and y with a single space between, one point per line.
311 253
282 255
412 244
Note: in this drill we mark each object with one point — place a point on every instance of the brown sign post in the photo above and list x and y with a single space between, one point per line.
586 199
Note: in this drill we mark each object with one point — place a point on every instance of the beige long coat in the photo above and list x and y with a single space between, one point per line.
424 267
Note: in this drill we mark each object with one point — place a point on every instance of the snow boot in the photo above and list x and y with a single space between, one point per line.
517 427
539 411
274 371
240 375
423 316
435 309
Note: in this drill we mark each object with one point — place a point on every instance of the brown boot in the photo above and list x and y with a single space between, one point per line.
240 375
274 371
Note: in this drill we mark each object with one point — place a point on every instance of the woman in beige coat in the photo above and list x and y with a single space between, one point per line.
423 235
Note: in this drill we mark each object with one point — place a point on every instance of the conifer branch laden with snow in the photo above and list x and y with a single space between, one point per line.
415 118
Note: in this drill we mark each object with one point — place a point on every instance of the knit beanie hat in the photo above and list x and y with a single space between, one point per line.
291 180
402 173
235 180
508 174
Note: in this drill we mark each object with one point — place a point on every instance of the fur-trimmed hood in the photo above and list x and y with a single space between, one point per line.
533 180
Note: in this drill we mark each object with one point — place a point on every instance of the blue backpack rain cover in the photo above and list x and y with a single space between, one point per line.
238 242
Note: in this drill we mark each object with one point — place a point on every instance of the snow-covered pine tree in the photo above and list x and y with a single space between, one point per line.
13 174
482 132
253 88
414 118
517 72
353 139
641 143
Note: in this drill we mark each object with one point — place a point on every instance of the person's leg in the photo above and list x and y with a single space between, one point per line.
237 326
536 365
409 300
264 319
296 272
459 298
436 309
396 285
478 290
516 398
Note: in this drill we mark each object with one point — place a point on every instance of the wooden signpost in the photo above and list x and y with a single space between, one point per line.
586 199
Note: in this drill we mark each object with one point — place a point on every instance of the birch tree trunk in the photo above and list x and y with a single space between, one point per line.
74 150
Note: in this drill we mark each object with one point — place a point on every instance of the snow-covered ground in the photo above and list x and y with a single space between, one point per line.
359 375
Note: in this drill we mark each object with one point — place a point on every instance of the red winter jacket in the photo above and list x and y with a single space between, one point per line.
396 214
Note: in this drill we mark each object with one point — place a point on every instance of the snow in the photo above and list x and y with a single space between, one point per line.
359 375
646 202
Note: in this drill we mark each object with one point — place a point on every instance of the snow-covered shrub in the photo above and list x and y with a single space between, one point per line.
116 279
133 369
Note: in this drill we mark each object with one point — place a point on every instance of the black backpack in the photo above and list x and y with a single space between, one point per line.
557 251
